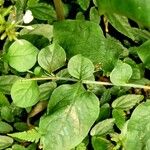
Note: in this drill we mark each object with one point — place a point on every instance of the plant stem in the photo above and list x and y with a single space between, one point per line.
59 9
89 82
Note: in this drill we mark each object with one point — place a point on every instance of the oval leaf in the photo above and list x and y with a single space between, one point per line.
52 57
126 102
5 142
103 127
80 67
138 128
5 127
121 73
72 112
22 55
25 93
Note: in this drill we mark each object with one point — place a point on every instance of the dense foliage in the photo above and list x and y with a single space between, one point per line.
74 75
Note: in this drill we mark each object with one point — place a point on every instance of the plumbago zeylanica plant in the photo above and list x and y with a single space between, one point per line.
74 74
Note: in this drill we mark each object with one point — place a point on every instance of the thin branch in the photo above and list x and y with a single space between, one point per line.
59 9
89 82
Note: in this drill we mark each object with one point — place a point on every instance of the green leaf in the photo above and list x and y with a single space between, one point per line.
100 143
94 15
18 147
121 24
138 128
3 100
45 30
86 38
79 37
30 135
143 52
126 102
6 83
5 127
119 116
5 142
25 93
80 67
21 126
7 114
121 73
43 11
21 55
72 111
84 4
102 128
135 68
52 57
46 90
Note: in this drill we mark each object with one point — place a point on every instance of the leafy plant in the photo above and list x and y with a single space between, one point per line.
74 75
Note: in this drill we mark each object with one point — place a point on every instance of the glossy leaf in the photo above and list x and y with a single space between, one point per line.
52 57
21 55
126 102
103 127
25 93
80 67
72 111
121 73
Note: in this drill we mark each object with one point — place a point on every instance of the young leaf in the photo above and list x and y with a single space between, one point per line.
121 73
100 143
80 67
21 55
72 111
103 127
30 135
5 142
94 15
3 100
143 52
5 127
119 116
126 102
84 4
138 128
25 93
6 83
52 57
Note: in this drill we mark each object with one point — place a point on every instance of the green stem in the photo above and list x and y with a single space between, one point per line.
59 9
90 82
